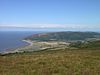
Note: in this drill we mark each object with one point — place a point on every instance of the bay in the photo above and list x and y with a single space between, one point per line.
13 39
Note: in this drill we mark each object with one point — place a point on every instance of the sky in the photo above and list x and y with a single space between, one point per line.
50 15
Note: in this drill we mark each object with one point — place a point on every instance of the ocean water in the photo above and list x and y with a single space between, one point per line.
13 39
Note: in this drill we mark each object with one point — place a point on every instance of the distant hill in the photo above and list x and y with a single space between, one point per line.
63 36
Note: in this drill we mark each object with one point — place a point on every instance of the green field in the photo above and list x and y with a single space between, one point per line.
59 62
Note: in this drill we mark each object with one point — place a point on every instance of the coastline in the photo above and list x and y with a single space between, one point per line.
18 49
28 41
37 46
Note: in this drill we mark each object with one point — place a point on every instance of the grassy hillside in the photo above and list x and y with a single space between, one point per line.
63 36
59 62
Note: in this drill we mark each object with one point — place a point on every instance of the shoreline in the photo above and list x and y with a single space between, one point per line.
18 49
36 46
28 41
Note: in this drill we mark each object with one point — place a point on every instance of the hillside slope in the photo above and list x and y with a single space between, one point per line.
57 62
63 36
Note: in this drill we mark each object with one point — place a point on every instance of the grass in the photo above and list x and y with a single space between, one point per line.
58 62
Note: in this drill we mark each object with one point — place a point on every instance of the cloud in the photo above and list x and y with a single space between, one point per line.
52 26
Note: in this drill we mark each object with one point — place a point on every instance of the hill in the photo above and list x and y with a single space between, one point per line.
56 62
63 36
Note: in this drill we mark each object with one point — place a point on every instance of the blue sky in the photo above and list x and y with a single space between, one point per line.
50 14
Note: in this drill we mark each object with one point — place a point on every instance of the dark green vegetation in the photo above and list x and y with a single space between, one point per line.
87 45
64 36
82 61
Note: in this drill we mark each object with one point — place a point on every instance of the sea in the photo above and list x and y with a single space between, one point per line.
13 39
